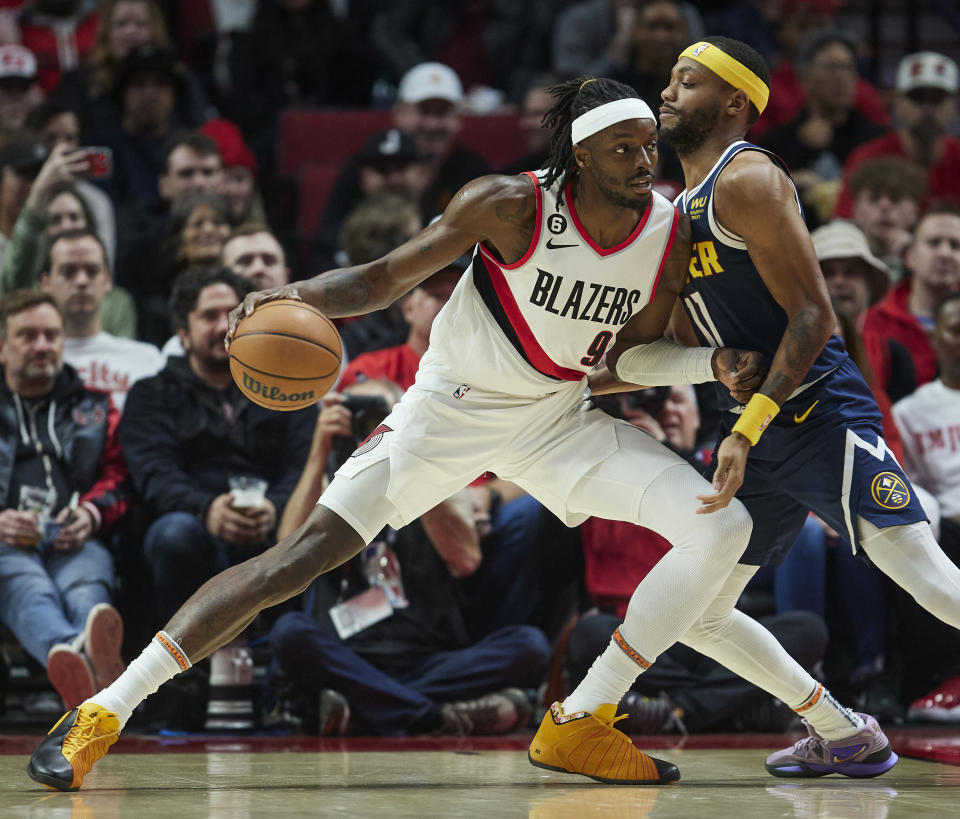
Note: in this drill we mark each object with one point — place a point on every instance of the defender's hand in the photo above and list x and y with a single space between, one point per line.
741 371
731 463
249 304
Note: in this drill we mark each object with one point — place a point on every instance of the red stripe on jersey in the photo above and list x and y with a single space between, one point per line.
605 251
666 252
536 230
531 347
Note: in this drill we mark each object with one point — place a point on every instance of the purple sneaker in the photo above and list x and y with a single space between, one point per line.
866 754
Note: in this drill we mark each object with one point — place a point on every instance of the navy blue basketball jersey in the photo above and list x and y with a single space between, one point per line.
727 302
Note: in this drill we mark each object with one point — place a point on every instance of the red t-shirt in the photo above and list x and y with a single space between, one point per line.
398 364
943 180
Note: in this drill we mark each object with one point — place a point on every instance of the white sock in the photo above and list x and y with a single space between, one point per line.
830 719
608 679
160 661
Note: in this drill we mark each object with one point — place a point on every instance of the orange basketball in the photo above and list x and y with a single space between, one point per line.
285 355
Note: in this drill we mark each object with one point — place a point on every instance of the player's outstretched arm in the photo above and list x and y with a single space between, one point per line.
492 208
641 354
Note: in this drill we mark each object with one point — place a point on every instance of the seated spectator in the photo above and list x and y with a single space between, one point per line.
54 202
198 228
124 25
254 254
57 125
929 422
76 274
19 91
147 87
925 104
816 142
798 20
428 108
60 33
191 166
415 671
682 690
389 163
905 314
375 227
188 429
887 193
20 161
64 486
536 102
660 32
239 184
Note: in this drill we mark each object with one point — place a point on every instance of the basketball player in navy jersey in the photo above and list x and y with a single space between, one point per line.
811 437
569 263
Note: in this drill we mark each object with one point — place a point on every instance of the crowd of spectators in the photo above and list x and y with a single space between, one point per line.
142 195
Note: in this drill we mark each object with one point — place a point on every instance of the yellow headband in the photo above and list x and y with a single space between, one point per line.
731 70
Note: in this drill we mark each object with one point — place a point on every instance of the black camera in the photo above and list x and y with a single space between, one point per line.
366 413
650 400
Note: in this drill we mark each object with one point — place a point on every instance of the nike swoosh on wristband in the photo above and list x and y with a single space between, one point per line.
799 419
552 246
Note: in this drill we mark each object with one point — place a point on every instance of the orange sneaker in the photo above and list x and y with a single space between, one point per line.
588 744
80 738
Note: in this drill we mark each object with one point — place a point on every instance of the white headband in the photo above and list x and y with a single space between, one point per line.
610 113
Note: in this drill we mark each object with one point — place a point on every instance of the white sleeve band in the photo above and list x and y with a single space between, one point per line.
663 363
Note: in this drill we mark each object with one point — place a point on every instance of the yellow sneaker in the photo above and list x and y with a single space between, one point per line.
588 744
67 753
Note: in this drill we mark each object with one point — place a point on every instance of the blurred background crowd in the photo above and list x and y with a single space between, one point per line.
161 158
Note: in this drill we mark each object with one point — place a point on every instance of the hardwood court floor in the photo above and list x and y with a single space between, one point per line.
716 784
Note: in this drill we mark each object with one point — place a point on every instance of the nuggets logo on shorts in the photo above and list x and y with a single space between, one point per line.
371 440
890 490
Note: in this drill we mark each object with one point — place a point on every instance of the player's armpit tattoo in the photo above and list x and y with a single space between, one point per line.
518 215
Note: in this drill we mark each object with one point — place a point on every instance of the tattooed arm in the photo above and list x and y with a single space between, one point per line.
499 210
755 200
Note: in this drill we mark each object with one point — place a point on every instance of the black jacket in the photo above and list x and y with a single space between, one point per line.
79 427
183 439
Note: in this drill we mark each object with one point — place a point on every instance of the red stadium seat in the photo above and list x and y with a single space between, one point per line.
327 135
316 179
330 135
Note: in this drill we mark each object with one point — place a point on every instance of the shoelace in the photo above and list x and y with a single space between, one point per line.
83 732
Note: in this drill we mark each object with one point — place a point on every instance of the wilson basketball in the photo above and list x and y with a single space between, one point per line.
285 355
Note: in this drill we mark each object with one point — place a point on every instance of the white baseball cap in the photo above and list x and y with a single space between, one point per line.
841 239
927 69
429 81
17 62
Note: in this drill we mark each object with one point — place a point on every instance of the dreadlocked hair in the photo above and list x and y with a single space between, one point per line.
573 98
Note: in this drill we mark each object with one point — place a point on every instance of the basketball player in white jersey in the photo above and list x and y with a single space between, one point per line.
580 260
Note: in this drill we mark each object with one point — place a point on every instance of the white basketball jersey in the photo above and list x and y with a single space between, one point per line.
525 328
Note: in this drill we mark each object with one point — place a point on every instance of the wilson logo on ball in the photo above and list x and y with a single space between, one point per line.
275 393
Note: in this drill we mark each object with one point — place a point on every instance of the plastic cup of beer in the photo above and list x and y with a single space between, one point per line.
40 500
247 492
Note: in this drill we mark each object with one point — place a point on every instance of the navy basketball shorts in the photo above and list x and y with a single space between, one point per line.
823 453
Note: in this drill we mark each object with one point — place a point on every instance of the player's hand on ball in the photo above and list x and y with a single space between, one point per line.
741 371
731 463
249 304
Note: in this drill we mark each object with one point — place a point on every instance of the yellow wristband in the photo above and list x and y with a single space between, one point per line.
759 412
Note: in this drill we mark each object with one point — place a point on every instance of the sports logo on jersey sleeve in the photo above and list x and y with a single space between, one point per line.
890 490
